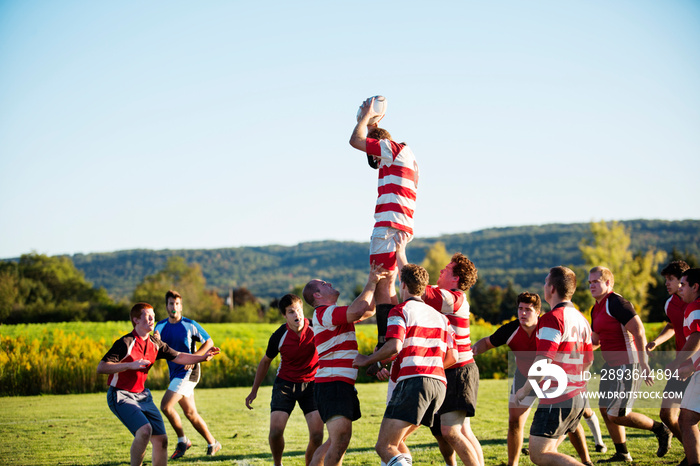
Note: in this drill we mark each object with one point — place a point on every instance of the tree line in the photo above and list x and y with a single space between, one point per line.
39 288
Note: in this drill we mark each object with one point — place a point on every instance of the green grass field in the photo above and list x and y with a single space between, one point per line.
81 430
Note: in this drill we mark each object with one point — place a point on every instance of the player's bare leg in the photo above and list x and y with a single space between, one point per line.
688 421
543 452
190 409
578 440
669 413
390 441
160 450
278 422
315 425
138 446
516 426
167 406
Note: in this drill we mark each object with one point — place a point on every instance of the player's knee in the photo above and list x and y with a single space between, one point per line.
668 417
144 433
686 420
159 441
276 433
316 438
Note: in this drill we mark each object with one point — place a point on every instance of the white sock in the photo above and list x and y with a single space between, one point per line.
398 460
212 445
594 426
182 439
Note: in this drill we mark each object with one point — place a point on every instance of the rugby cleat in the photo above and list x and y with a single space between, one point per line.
212 449
180 449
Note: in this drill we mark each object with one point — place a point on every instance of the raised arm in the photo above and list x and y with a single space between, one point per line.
185 358
363 306
358 139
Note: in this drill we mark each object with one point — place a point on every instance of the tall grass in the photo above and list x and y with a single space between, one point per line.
62 358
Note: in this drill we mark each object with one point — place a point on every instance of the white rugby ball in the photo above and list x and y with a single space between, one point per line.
379 107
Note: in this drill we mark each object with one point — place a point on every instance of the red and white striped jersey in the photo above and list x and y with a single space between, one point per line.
453 304
426 336
564 336
336 344
398 183
675 314
691 324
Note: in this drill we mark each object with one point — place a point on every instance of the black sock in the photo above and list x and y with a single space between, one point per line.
621 448
657 428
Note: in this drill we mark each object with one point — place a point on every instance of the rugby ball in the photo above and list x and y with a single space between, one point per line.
379 108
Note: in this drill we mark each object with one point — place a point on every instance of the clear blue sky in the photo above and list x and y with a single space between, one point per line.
213 124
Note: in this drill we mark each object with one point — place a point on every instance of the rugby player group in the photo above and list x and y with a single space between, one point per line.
424 337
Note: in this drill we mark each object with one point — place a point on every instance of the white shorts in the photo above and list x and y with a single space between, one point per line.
691 397
182 387
382 247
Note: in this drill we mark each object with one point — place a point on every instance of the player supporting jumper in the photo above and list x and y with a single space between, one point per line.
675 312
690 406
181 333
294 342
421 338
620 333
563 339
519 335
334 391
127 363
453 431
396 201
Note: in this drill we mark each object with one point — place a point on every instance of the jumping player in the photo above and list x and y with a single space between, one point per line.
181 333
334 390
396 201
294 342
127 363
421 339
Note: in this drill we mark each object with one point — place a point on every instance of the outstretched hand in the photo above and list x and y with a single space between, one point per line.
211 352
377 272
402 238
367 109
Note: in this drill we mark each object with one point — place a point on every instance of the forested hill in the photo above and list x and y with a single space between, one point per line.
519 254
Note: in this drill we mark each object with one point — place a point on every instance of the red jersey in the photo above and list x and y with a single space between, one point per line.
398 183
425 336
608 320
453 304
675 314
564 336
336 344
299 358
691 324
523 345
132 347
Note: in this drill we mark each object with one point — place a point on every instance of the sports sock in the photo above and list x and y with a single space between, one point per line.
182 439
398 460
658 427
621 448
594 427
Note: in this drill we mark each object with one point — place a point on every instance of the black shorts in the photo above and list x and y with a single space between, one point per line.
611 388
676 385
416 400
286 394
462 390
555 420
337 399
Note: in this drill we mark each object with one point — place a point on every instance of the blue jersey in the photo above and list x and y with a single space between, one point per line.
182 337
